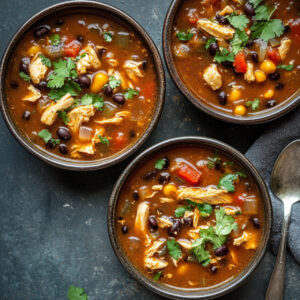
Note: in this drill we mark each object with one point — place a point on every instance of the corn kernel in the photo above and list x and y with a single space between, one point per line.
33 50
268 66
235 95
99 80
269 94
260 76
169 190
240 110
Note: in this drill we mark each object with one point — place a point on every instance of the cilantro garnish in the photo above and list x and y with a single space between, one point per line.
157 276
184 36
107 37
238 21
96 100
24 76
204 208
103 140
286 67
267 30
213 161
70 87
130 93
46 61
209 42
159 165
82 55
113 82
64 116
179 211
255 3
263 12
55 39
174 249
223 56
76 293
224 223
253 104
46 135
227 181
239 41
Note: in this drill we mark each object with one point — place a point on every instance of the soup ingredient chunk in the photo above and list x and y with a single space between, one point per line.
212 77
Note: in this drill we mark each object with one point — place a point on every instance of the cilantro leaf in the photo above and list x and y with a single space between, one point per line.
159 165
286 67
179 211
239 41
103 140
255 3
46 135
184 36
82 55
204 208
76 293
223 56
209 42
107 37
224 223
70 87
113 82
130 93
254 104
96 100
64 116
267 30
55 39
238 21
227 181
263 12
24 76
213 161
46 61
157 276
174 249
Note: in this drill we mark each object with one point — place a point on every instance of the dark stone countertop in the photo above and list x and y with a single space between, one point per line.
53 222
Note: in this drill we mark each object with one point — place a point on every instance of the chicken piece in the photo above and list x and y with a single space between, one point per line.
248 239
212 77
227 10
49 116
232 210
98 131
33 94
79 115
186 244
284 47
132 69
249 75
37 70
89 61
196 217
157 187
78 149
188 214
216 30
117 119
142 215
125 83
149 252
211 196
164 222
234 256
153 263
113 62
166 200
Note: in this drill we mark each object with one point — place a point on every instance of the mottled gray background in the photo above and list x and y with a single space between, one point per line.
53 222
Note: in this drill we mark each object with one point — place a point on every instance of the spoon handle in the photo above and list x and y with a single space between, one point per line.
275 289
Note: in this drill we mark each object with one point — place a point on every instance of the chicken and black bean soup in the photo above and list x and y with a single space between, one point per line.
82 86
238 56
190 217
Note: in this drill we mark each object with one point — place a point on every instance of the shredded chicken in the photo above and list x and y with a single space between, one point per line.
95 138
79 115
216 30
132 69
113 62
284 47
232 210
89 61
33 94
248 239
77 149
188 214
117 119
142 215
166 200
186 244
212 77
157 187
49 116
249 75
227 10
149 252
37 70
196 217
153 263
211 196
164 222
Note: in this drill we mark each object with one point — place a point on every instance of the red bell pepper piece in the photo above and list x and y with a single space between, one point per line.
240 63
189 174
72 49
239 199
273 55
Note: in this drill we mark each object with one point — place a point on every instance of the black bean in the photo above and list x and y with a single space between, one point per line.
167 163
254 56
124 229
119 98
175 228
51 144
279 86
249 10
221 251
63 133
42 31
164 177
24 67
132 133
59 22
150 175
145 64
42 85
250 43
188 222
101 52
14 84
274 76
227 64
256 222
84 81
271 103
222 97
213 48
286 28
135 195
152 222
63 149
222 19
213 269
108 90
120 218
248 186
80 38
26 115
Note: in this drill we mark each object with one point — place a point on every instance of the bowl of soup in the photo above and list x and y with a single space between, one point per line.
82 85
235 60
190 218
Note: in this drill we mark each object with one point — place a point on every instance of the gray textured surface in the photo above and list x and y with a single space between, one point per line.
53 222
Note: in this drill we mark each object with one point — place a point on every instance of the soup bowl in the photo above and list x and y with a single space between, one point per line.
113 220
214 110
93 8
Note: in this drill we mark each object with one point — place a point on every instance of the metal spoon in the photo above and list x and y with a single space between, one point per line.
285 184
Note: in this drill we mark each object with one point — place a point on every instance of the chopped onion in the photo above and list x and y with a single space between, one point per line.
42 104
274 42
109 109
85 133
250 206
262 50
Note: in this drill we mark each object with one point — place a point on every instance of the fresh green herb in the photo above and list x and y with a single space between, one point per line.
70 87
96 100
286 67
213 161
228 163
174 249
224 223
76 293
55 39
157 276
267 30
130 93
45 61
64 116
160 164
113 82
239 212
223 56
209 42
238 21
82 55
107 37
255 3
46 135
253 104
204 208
103 140
227 181
179 211
263 13
239 41
184 36
24 76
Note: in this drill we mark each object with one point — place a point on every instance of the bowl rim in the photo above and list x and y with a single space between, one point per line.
173 292
263 117
68 163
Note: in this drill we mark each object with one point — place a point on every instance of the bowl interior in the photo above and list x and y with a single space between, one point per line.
253 118
116 15
197 293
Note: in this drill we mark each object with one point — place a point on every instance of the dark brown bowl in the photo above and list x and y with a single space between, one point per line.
255 118
182 293
94 8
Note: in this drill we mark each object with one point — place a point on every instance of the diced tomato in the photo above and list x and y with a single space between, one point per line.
274 55
240 63
193 19
239 199
119 140
72 49
149 90
295 27
193 16
189 174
